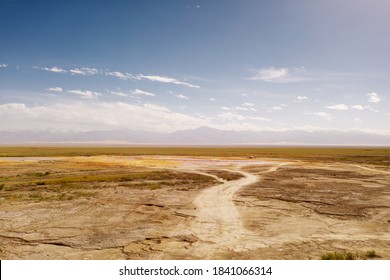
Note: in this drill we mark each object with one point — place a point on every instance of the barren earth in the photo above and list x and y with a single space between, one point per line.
194 203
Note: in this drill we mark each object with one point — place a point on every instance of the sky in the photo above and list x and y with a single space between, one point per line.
174 65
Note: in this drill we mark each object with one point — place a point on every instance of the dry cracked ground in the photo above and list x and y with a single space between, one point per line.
112 207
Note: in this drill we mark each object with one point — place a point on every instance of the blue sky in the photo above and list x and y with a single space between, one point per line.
171 65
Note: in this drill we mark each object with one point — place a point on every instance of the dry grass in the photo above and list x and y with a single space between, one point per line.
350 256
376 156
68 179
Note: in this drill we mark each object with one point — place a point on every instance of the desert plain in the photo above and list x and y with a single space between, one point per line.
194 203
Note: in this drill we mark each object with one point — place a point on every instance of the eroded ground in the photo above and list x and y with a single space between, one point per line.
161 207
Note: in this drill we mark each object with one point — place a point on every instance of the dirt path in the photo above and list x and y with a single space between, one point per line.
372 169
218 226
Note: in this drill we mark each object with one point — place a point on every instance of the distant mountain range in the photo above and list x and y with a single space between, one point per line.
198 136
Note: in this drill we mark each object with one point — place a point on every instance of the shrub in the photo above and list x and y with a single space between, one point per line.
338 256
372 254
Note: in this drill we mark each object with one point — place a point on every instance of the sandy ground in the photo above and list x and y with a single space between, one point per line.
277 209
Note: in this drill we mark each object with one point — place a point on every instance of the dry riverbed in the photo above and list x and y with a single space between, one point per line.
160 207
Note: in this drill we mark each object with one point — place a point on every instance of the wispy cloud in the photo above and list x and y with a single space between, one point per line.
118 93
163 79
142 92
212 99
229 116
241 108
248 104
55 89
54 69
277 108
322 115
339 107
3 65
85 71
302 98
95 116
259 119
226 108
271 74
181 96
85 93
373 97
279 75
153 78
121 75
247 108
358 107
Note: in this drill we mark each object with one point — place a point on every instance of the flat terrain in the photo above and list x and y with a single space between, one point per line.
194 203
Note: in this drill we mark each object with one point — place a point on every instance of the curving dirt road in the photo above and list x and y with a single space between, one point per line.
218 225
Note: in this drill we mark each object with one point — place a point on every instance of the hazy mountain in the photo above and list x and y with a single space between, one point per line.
198 136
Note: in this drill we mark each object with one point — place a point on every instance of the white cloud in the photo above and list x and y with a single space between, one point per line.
276 108
339 107
366 107
55 89
163 79
279 75
212 99
231 116
153 78
226 108
357 107
373 97
157 107
248 104
85 71
118 93
3 65
241 108
181 96
141 92
259 119
120 75
322 115
53 69
95 116
302 98
271 74
371 109
85 93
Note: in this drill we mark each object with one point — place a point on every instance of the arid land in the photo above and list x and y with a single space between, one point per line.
194 203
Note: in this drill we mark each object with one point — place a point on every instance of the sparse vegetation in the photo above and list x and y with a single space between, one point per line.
70 180
226 175
338 256
372 254
376 156
155 191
